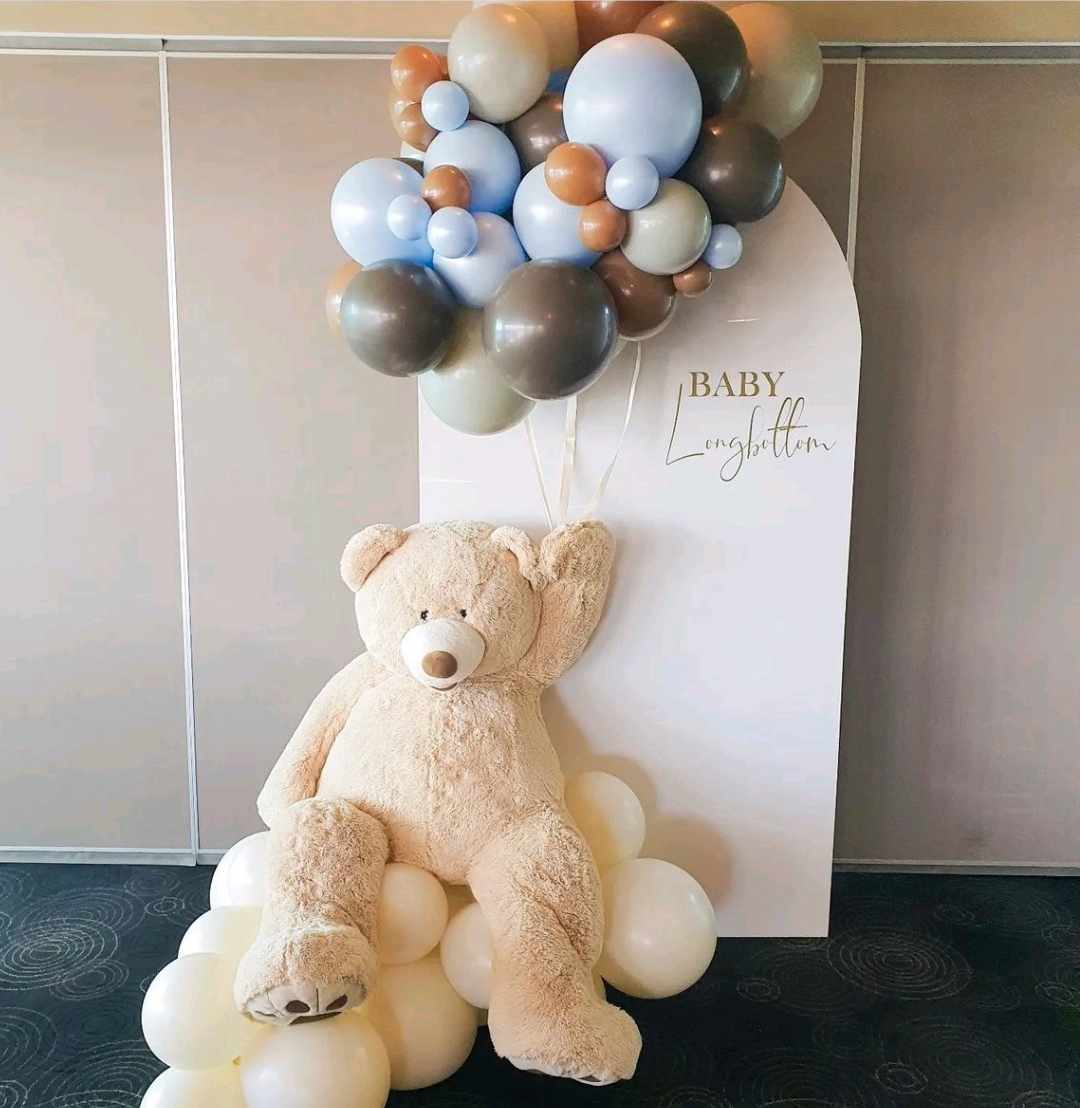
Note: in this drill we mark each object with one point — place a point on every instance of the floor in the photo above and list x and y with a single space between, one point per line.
934 992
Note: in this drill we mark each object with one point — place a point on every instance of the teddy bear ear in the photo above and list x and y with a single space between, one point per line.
521 546
366 550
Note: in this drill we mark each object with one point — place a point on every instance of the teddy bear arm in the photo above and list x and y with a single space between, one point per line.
576 563
295 777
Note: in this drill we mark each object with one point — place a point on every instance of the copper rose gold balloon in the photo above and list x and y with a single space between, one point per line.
644 301
446 186
414 129
600 19
693 281
575 173
413 68
601 226
397 103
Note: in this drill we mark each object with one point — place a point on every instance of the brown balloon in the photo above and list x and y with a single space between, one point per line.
538 131
446 186
693 281
738 168
644 301
550 329
711 45
413 68
414 129
601 226
600 19
398 317
575 173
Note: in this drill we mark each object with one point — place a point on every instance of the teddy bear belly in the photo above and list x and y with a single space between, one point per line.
445 773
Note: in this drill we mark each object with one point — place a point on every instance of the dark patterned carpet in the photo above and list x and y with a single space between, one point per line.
933 992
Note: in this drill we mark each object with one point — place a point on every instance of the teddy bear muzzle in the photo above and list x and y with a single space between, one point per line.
441 653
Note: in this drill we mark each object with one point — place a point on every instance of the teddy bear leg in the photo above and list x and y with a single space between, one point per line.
315 955
540 893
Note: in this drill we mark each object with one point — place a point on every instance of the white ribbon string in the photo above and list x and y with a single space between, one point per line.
539 471
566 478
594 504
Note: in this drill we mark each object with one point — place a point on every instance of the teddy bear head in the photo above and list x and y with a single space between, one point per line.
444 602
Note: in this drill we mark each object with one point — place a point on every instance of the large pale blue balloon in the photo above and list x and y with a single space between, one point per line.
476 277
634 94
546 225
358 209
486 156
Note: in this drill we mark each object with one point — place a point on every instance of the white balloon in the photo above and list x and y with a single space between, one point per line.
634 94
189 1019
608 814
467 955
336 1063
427 1028
219 1088
660 928
240 878
229 932
412 913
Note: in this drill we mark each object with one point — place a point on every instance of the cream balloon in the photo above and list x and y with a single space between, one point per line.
412 913
189 1019
670 232
336 1063
466 391
229 932
608 814
558 21
466 954
499 56
240 877
660 928
218 1088
785 67
427 1028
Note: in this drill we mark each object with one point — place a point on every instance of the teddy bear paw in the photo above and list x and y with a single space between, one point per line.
304 975
597 1045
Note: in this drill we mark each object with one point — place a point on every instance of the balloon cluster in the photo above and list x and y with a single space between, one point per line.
535 227
420 1023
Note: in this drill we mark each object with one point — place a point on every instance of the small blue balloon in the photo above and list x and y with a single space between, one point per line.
452 233
546 225
359 206
632 182
724 248
476 277
445 105
407 217
486 156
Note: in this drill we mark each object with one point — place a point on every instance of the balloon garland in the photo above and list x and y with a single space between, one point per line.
581 167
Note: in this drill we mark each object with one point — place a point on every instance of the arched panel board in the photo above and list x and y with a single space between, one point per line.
713 683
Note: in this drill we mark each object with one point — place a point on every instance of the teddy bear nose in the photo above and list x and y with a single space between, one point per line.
440 664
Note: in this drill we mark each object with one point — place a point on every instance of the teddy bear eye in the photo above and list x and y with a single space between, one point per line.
462 611
424 614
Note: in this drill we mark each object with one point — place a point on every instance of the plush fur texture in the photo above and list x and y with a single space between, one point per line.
461 780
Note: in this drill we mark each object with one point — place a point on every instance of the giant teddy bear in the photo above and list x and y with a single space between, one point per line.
430 748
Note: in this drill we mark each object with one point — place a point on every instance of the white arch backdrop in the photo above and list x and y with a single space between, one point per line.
713 684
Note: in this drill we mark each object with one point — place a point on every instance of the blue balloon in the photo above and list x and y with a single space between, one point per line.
445 105
452 233
359 206
407 217
557 80
634 94
632 182
546 225
476 277
486 156
724 248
